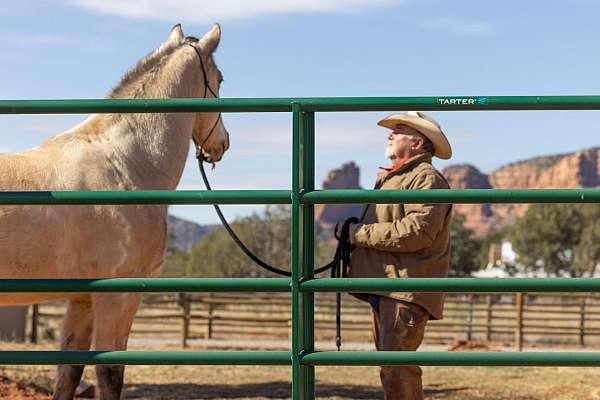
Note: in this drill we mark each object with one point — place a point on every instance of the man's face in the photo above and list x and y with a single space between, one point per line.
402 143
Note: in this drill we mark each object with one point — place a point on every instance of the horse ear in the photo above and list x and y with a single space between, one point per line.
210 40
176 34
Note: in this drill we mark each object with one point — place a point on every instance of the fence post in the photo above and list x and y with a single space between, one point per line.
185 303
470 318
488 322
303 319
582 322
519 321
209 317
35 313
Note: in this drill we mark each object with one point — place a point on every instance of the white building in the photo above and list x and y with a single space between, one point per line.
505 265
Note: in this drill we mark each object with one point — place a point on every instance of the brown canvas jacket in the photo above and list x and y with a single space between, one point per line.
405 240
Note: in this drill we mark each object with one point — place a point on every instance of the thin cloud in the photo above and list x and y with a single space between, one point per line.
259 178
465 137
36 40
269 140
455 25
210 11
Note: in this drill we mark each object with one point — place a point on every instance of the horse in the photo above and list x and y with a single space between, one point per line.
138 151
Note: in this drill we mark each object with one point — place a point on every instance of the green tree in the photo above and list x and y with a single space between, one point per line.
267 235
587 251
560 238
176 263
464 255
176 260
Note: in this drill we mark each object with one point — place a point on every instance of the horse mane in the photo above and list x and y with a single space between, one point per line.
150 62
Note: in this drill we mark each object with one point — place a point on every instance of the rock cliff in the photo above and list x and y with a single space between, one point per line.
345 177
466 176
571 170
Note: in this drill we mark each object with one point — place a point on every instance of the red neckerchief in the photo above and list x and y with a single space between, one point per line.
395 166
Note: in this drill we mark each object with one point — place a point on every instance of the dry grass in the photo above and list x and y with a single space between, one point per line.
254 382
262 382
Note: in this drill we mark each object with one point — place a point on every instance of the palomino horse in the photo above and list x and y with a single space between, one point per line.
109 152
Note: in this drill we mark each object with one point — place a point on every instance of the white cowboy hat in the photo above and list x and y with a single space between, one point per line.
425 125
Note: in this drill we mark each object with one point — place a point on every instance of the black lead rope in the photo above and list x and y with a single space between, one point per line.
339 264
340 270
341 260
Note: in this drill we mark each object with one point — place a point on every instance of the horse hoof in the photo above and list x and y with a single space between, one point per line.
85 390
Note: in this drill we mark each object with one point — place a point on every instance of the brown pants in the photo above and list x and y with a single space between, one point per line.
399 326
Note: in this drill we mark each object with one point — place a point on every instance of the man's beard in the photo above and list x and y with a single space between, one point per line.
389 153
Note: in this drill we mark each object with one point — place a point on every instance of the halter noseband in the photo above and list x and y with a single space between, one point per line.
207 89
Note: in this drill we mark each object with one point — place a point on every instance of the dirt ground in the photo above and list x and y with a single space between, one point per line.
262 382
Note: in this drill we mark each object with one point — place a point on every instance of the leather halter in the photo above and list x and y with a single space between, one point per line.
207 89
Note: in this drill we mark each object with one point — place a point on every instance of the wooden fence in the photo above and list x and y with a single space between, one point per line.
503 319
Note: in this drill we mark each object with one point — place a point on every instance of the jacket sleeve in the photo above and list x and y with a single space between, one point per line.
417 230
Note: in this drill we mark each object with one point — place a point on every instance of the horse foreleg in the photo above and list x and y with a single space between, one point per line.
113 316
76 334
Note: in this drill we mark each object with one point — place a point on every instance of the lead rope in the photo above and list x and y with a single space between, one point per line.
340 270
341 260
338 253
339 264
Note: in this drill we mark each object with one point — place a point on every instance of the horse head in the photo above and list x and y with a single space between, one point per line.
209 133
183 67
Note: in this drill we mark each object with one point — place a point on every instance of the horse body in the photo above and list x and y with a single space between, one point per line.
107 152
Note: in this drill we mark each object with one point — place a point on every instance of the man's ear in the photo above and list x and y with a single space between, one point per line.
420 142
417 141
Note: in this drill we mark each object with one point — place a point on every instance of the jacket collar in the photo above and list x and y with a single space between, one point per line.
406 165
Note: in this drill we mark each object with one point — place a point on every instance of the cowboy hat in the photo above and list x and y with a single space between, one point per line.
426 126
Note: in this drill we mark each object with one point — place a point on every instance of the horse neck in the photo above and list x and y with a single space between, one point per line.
155 146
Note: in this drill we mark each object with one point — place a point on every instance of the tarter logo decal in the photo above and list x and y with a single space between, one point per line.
458 101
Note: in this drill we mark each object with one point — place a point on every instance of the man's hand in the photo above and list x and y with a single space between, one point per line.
351 231
352 228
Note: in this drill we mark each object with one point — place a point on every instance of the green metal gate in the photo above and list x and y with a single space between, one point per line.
302 197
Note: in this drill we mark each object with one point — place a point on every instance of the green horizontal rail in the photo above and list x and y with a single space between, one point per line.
436 358
442 103
461 196
148 197
146 357
481 285
354 358
85 106
147 285
329 196
486 285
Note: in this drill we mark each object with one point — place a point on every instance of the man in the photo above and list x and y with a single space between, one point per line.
404 241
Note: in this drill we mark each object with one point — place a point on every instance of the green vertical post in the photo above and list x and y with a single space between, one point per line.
303 376
307 148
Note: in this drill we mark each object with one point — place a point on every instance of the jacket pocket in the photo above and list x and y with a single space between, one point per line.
412 315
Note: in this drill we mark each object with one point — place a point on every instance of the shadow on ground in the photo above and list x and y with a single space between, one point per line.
268 390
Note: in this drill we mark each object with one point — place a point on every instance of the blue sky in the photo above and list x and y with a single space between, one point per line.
80 49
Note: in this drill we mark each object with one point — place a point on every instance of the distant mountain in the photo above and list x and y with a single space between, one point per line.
562 171
570 170
184 234
345 177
